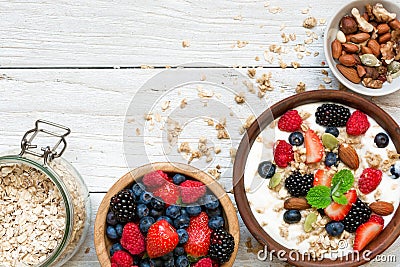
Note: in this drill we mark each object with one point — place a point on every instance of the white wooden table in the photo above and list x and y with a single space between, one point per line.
80 63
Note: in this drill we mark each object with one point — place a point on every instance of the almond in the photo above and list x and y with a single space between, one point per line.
382 28
383 39
348 60
350 48
348 155
361 71
296 203
382 208
336 49
366 50
348 37
349 73
395 24
360 37
375 47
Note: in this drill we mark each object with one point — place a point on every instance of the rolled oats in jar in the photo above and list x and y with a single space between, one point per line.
44 203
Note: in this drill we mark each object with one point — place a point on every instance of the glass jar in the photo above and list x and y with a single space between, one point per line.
44 203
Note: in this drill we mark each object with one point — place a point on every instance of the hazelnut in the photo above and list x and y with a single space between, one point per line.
348 25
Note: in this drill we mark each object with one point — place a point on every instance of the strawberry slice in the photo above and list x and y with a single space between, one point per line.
314 147
365 233
321 177
336 211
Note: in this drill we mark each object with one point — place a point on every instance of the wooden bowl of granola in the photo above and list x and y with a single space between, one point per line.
263 203
103 243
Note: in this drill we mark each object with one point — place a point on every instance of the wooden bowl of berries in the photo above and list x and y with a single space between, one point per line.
166 214
316 179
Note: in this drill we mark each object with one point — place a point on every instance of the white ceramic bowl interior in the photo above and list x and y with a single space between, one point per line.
330 35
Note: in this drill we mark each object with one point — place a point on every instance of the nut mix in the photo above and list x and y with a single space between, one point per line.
167 219
367 46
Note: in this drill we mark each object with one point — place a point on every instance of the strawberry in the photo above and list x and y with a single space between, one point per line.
155 179
290 121
369 180
168 192
322 178
377 218
357 124
204 262
199 236
132 239
365 233
283 153
121 259
162 238
191 191
336 211
314 147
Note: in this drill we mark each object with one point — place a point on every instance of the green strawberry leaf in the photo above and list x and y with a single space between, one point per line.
319 196
342 181
340 200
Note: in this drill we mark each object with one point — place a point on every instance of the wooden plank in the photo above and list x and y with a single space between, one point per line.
123 33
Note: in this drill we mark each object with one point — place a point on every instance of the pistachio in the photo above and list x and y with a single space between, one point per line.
394 67
370 60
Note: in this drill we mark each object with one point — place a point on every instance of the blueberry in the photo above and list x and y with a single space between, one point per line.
395 170
167 256
173 211
156 262
332 130
157 204
137 189
193 210
184 212
145 223
178 179
115 247
119 228
331 159
381 140
266 169
179 251
111 232
296 139
145 197
168 219
181 222
183 236
216 222
292 216
182 261
169 263
156 213
334 228
211 202
142 210
145 262
214 212
111 220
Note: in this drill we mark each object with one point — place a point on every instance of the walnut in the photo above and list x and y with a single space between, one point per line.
371 83
381 14
362 23
387 51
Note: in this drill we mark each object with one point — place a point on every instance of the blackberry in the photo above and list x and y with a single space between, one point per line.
221 246
299 185
332 115
123 206
358 214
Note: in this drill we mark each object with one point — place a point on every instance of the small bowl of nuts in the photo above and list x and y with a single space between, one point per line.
362 47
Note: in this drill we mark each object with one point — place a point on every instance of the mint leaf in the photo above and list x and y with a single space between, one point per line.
319 196
340 200
342 181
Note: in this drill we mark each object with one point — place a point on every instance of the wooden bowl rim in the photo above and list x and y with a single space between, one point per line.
229 210
391 231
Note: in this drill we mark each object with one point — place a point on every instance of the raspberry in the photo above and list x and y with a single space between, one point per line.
155 179
283 153
290 121
168 192
191 191
369 180
376 218
132 239
205 262
357 124
121 259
